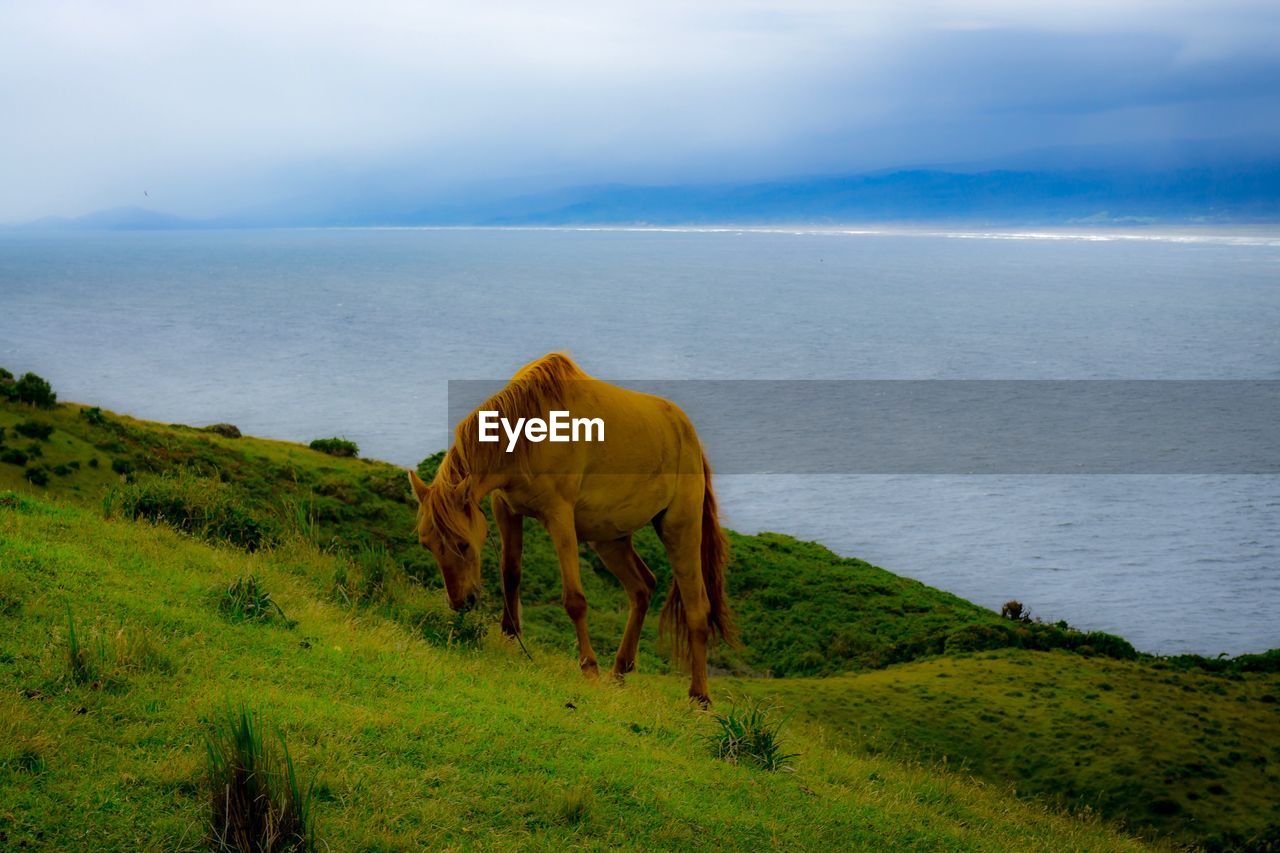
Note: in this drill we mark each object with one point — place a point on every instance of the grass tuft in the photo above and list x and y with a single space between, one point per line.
256 801
749 735
574 805
246 600
83 662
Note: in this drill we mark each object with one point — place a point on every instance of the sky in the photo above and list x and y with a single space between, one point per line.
204 109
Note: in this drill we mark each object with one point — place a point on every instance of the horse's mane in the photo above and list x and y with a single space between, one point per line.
536 388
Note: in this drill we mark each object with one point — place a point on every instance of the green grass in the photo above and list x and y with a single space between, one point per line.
1190 754
803 610
409 744
335 535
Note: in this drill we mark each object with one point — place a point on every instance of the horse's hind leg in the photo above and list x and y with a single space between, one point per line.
620 557
511 532
681 534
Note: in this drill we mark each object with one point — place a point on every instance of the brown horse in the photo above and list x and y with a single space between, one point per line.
650 469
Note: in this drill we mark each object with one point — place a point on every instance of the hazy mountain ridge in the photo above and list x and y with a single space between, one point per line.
1204 193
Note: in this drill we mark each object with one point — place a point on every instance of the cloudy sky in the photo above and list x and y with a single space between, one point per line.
218 107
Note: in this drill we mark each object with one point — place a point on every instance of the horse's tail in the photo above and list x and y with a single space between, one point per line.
714 555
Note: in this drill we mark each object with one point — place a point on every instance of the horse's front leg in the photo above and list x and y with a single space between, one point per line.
620 557
565 539
511 533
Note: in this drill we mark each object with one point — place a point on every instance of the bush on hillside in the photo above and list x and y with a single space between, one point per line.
94 416
336 447
224 430
38 476
34 429
428 467
1015 611
980 638
13 456
201 507
34 391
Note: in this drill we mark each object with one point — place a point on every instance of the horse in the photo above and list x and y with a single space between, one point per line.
650 469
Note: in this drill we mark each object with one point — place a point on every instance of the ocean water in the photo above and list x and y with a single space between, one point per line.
304 333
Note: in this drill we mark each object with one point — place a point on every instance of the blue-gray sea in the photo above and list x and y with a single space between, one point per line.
298 334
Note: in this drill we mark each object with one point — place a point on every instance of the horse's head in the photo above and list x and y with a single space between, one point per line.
452 527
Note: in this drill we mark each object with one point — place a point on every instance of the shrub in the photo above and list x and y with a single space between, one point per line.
979 638
427 467
749 735
1014 610
38 476
34 429
255 799
1109 645
93 462
13 456
201 507
123 467
94 416
62 469
224 430
8 389
33 390
336 447
247 601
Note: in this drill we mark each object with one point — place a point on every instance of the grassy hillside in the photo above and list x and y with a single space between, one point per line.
410 744
911 675
803 610
1190 754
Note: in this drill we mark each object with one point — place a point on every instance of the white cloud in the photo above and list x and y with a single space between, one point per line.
215 106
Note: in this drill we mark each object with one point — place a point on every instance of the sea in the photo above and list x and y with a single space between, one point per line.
298 334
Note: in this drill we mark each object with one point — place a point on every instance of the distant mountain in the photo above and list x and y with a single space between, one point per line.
116 219
1204 193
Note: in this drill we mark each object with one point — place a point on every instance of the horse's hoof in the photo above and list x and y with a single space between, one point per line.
590 669
702 700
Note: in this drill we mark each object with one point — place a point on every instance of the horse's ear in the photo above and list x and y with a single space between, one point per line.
420 488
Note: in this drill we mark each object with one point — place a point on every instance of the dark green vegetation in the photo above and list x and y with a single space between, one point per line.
329 540
336 447
256 800
30 390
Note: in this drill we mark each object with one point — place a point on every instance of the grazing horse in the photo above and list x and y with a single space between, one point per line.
649 469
